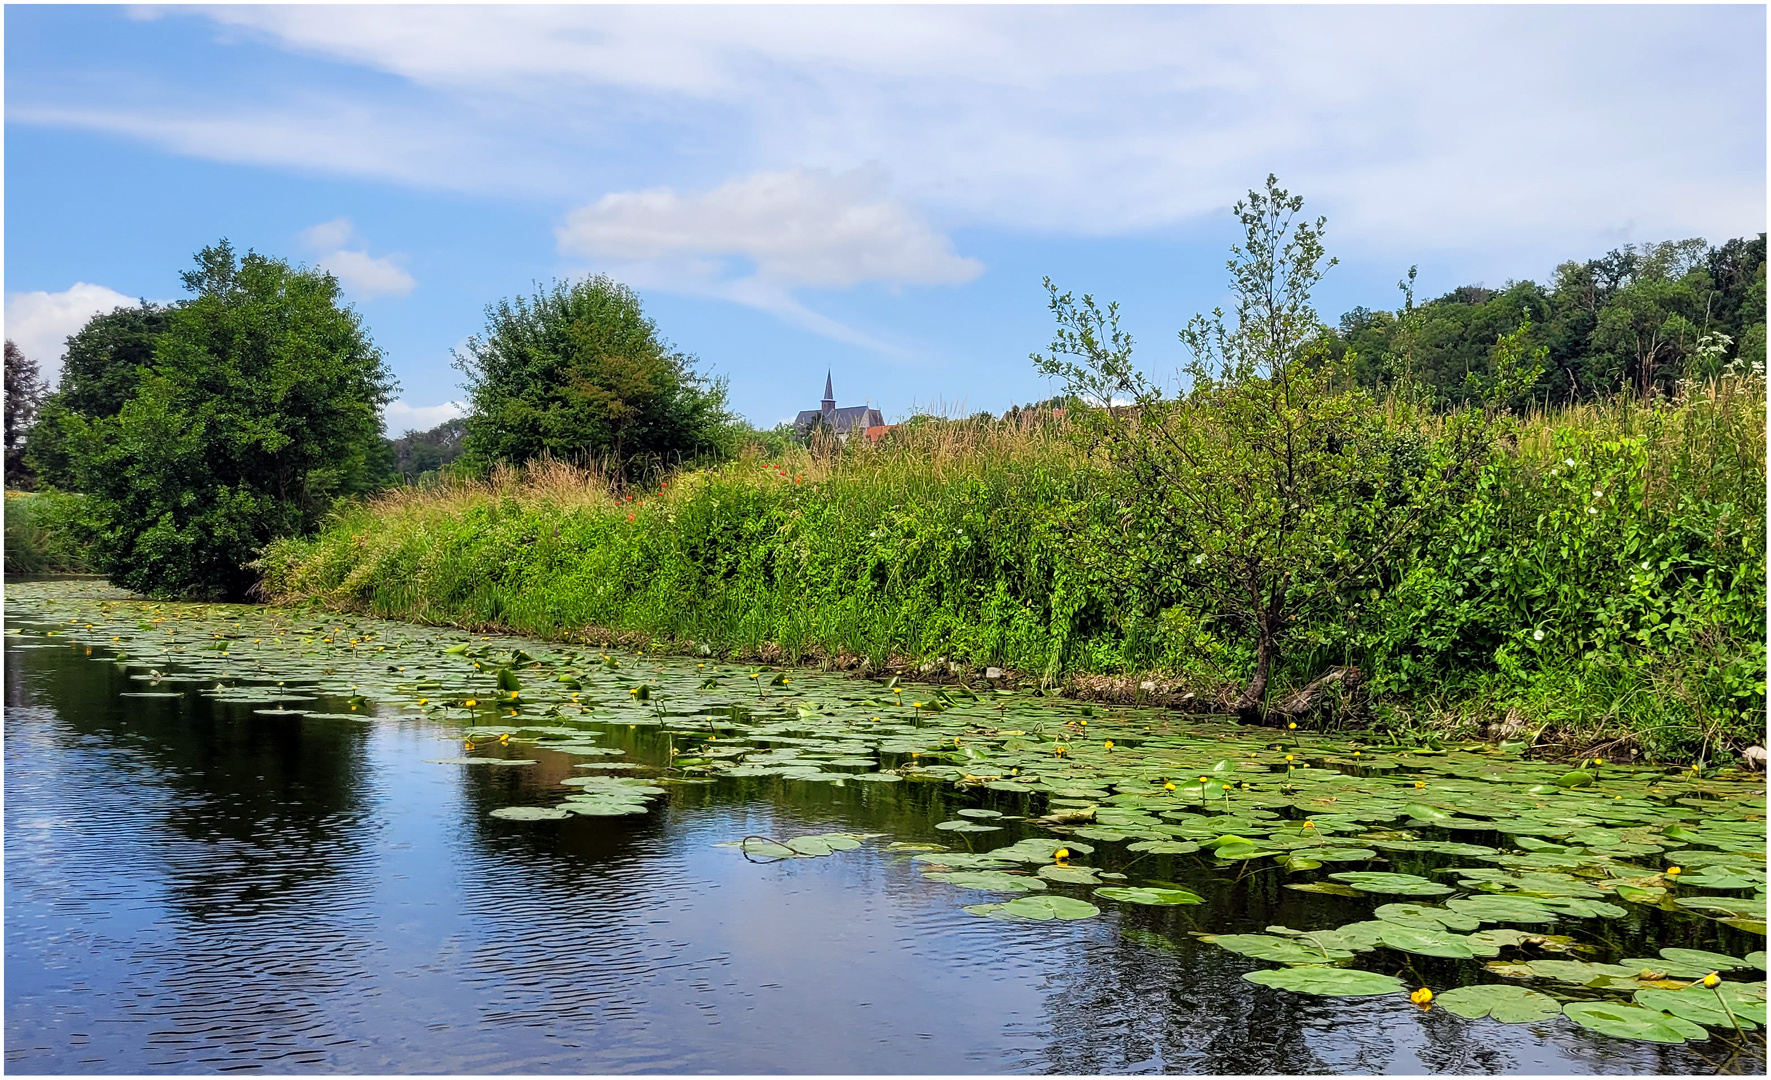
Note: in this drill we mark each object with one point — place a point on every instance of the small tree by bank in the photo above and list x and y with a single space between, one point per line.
577 372
262 406
24 395
1273 493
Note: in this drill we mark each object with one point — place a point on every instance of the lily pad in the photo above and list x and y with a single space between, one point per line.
1426 917
1040 908
1154 897
1279 950
1373 881
1506 1003
478 761
989 880
1709 961
1632 1022
1327 981
530 813
1701 1005
1412 939
1500 908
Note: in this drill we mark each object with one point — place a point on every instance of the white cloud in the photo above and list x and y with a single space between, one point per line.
754 240
1479 127
400 417
39 323
802 227
363 276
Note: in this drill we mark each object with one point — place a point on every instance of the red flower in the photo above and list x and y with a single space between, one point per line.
630 517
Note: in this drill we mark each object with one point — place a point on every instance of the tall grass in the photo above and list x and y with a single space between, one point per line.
1617 597
40 537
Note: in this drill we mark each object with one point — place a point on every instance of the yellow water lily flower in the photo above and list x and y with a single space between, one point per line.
470 703
1061 854
1170 786
1673 871
1293 726
1420 783
1422 996
1109 744
1712 980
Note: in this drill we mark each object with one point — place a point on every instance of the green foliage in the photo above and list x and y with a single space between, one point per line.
24 395
578 373
101 371
1639 319
43 534
418 453
1272 494
261 407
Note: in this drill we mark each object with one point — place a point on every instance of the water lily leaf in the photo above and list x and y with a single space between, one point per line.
1280 950
1581 908
530 813
1069 875
1502 908
478 761
1327 981
1641 895
976 813
1756 959
989 880
1039 908
1164 847
1327 888
1577 778
1632 1022
1421 942
767 849
1426 917
967 826
1722 877
1708 961
1156 897
1701 1005
1373 881
1508 1004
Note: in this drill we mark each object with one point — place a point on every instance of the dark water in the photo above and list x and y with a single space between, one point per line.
190 887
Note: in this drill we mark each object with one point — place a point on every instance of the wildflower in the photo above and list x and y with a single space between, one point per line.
1598 761
1537 635
1712 980
1293 726
1423 996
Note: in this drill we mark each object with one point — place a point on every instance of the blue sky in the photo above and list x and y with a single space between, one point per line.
873 190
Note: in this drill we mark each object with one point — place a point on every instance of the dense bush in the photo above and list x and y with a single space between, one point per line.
577 372
262 404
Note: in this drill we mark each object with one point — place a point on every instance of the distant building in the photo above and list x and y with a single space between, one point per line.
840 422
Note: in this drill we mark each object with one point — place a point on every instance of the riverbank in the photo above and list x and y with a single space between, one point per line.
1603 586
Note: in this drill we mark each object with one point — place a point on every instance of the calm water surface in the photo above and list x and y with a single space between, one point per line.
192 887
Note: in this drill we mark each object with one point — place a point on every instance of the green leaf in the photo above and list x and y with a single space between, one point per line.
1279 950
1156 897
1373 881
1425 942
1039 908
530 813
1700 1005
1327 981
1502 908
989 880
1508 1004
1632 1022
1426 917
1700 958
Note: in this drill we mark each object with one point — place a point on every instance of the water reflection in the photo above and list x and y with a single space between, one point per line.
192 886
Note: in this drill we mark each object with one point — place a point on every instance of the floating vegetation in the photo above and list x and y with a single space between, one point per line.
1454 851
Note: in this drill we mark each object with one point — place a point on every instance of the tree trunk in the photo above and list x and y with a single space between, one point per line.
1248 706
1303 700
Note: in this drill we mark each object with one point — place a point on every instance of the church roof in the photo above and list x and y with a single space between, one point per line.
841 421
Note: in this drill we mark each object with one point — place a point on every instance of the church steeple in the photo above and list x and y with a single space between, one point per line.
829 401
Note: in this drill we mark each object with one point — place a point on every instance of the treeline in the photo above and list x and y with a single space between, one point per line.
1638 319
